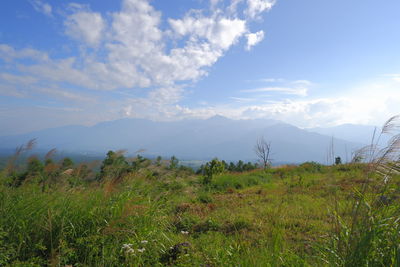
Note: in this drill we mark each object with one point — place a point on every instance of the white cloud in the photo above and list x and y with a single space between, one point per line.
17 79
296 88
221 33
9 54
65 95
243 99
302 83
133 49
269 80
285 90
254 38
395 77
85 26
214 3
42 7
76 7
370 103
11 90
256 7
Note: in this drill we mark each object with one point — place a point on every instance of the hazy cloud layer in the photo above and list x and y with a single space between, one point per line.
281 86
372 102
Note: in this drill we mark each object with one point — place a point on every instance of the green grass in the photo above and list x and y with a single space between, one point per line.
281 217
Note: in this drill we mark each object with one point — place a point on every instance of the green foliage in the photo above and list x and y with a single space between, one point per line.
240 166
35 167
114 166
158 160
212 168
370 235
173 163
139 162
338 160
312 167
67 163
148 214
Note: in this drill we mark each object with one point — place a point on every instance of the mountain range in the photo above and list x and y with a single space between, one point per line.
197 139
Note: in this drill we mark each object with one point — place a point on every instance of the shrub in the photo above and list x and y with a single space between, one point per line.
211 169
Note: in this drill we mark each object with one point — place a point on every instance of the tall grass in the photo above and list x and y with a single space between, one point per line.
369 234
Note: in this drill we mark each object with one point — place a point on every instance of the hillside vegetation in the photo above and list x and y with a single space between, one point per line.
141 212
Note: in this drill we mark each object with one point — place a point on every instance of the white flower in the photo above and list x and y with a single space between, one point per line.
126 246
130 251
185 232
141 250
144 242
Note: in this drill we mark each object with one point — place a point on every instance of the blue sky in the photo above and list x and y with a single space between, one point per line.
309 62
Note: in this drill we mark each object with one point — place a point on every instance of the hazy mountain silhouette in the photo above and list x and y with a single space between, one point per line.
189 139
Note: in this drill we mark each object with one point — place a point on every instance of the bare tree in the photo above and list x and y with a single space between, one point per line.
263 151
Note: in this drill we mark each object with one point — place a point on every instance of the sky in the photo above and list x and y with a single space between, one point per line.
310 63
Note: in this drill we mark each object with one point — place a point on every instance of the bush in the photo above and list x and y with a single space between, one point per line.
211 169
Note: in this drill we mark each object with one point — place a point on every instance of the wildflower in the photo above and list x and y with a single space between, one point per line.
126 246
185 232
141 250
144 242
130 251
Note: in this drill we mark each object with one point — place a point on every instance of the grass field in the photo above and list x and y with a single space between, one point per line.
154 215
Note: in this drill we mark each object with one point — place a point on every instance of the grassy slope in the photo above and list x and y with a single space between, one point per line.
279 218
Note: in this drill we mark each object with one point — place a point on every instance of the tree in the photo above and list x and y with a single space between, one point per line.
138 162
173 163
231 167
239 166
35 167
114 165
67 163
263 151
158 160
211 169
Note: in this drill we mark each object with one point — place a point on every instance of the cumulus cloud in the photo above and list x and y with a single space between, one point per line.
254 38
256 7
221 33
135 49
85 26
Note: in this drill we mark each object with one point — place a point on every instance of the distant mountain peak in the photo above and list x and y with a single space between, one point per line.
218 118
